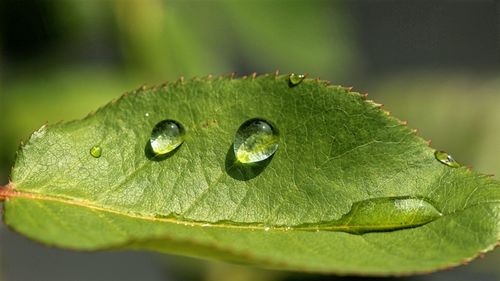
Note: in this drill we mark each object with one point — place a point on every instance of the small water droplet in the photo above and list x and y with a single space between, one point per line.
296 79
146 114
255 141
447 159
96 151
166 136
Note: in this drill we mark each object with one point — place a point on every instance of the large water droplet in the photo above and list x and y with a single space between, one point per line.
296 79
255 141
380 214
445 158
166 136
96 151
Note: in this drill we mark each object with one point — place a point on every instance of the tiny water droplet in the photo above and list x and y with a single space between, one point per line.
445 158
296 79
96 151
146 114
255 141
166 136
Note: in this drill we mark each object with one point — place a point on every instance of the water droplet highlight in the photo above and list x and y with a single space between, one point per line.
96 151
445 158
166 136
146 114
255 141
296 79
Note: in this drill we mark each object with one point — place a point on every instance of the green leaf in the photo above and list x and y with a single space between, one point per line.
349 190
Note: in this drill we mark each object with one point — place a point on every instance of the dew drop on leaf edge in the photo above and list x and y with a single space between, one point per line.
296 79
166 136
445 158
96 151
255 141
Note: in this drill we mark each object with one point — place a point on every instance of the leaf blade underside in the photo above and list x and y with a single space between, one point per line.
336 149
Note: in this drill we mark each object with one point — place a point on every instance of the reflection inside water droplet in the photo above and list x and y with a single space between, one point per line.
255 140
243 171
166 136
96 151
447 159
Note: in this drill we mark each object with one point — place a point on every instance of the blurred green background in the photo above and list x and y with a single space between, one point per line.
433 63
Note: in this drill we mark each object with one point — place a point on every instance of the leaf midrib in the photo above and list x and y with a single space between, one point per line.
8 192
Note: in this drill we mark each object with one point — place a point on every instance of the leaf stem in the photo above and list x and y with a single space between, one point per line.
6 191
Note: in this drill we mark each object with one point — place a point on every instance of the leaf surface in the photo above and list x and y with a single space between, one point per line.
349 190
